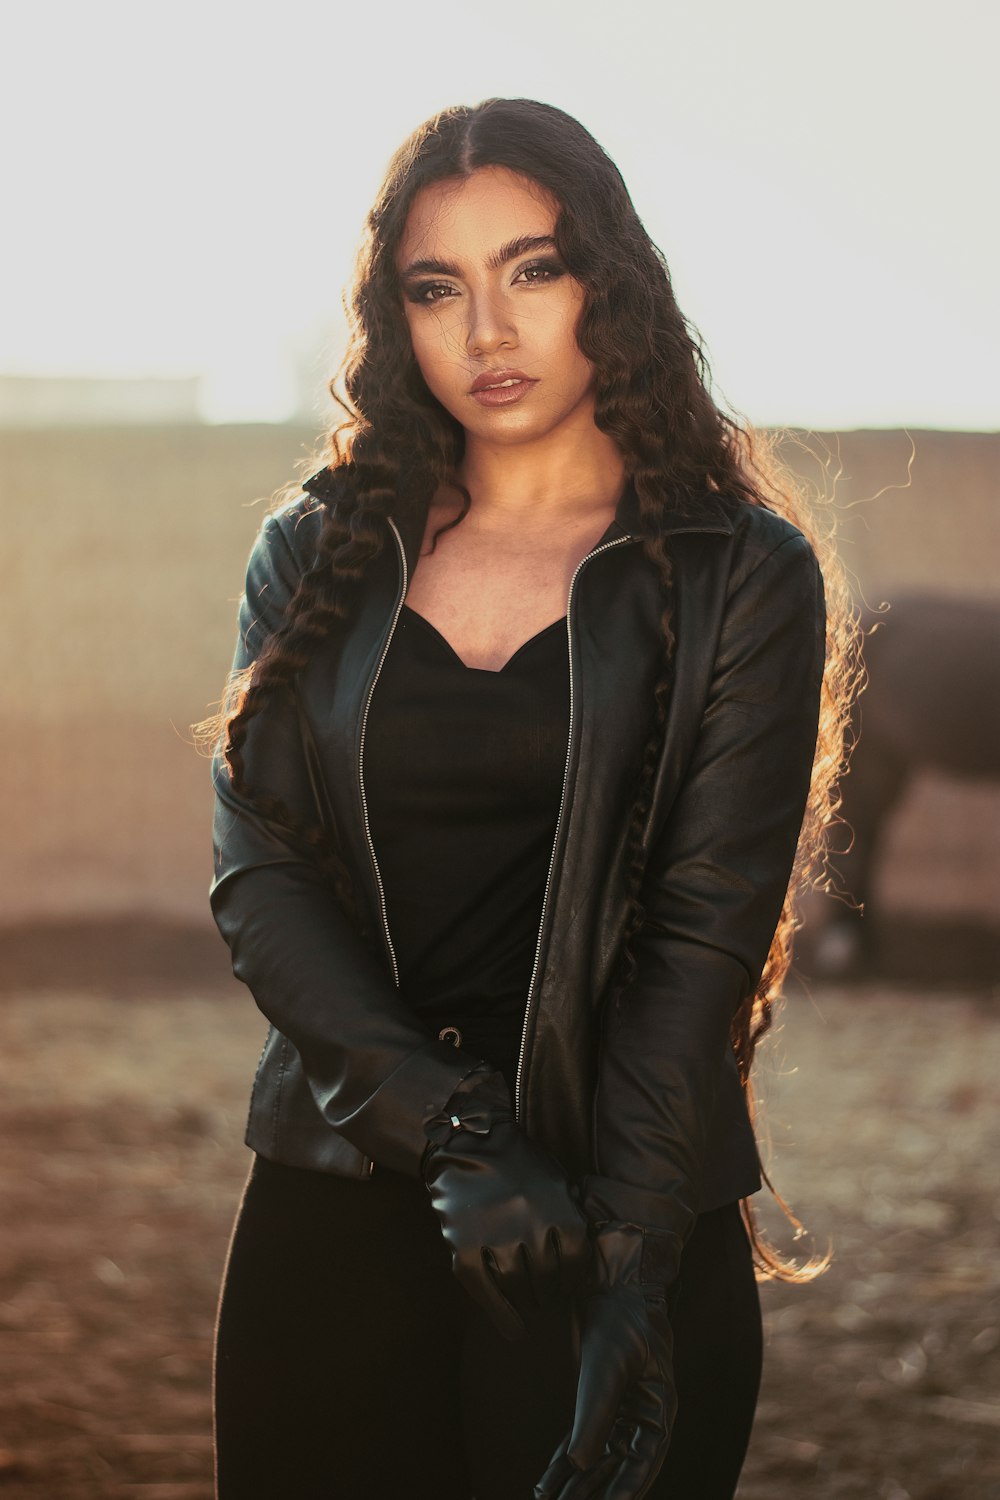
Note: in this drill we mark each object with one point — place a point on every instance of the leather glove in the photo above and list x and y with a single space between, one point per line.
626 1402
517 1234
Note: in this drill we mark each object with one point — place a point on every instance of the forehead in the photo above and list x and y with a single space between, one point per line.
467 218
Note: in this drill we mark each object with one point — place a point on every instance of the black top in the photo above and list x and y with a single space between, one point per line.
463 771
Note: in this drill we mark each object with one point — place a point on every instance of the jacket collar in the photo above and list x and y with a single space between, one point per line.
709 513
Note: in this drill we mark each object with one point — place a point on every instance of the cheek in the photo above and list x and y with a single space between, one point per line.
562 324
567 356
436 345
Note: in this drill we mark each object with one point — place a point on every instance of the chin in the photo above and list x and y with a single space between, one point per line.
508 429
515 425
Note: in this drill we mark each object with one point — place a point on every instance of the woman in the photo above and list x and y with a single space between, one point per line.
510 777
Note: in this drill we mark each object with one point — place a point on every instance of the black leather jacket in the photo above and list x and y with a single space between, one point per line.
641 1097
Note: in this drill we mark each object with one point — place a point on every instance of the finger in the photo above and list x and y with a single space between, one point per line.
512 1270
480 1284
560 1268
591 1484
562 1480
574 1261
598 1398
629 1479
639 1458
558 1472
536 1278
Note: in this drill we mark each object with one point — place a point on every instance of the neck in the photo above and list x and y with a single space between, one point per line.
575 473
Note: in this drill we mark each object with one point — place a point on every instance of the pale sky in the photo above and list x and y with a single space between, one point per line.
185 183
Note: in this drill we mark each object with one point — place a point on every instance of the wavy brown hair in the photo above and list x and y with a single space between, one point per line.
397 447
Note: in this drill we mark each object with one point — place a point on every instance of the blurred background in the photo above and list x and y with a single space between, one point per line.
184 189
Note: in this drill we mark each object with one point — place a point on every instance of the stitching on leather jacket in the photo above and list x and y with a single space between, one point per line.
276 1111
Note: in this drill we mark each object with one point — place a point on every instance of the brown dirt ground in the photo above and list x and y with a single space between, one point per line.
121 1162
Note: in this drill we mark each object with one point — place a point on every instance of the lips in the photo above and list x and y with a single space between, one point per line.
500 387
491 378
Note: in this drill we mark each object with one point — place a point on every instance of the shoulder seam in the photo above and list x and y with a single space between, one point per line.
788 541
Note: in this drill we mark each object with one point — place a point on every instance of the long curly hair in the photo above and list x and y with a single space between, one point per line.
396 447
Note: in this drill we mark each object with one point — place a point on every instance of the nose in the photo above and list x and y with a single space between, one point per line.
491 324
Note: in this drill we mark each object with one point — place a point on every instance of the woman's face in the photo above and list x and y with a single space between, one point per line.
492 311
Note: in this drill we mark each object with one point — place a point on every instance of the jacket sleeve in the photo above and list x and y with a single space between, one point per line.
376 1074
713 891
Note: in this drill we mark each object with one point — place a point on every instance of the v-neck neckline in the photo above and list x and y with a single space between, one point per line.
485 671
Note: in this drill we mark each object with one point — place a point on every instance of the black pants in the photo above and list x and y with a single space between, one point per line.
349 1364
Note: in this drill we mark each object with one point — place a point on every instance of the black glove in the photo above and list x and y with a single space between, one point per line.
517 1234
625 1401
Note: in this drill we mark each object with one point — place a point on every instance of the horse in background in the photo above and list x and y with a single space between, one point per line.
932 703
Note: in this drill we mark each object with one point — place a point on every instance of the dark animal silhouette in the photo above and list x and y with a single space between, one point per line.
932 703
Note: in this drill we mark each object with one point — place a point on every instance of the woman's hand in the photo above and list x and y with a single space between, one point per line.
626 1403
517 1234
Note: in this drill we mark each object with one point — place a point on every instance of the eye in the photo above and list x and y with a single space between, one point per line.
538 272
426 293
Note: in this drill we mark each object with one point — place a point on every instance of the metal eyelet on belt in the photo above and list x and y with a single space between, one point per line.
450 1034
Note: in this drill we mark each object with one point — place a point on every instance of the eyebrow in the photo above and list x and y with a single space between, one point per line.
523 245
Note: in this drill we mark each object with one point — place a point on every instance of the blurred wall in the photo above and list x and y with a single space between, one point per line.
124 552
916 510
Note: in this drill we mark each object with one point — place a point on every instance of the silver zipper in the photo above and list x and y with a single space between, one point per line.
361 756
562 802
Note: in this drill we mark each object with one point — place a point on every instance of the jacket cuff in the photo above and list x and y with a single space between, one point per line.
637 1255
481 1101
406 1103
606 1201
